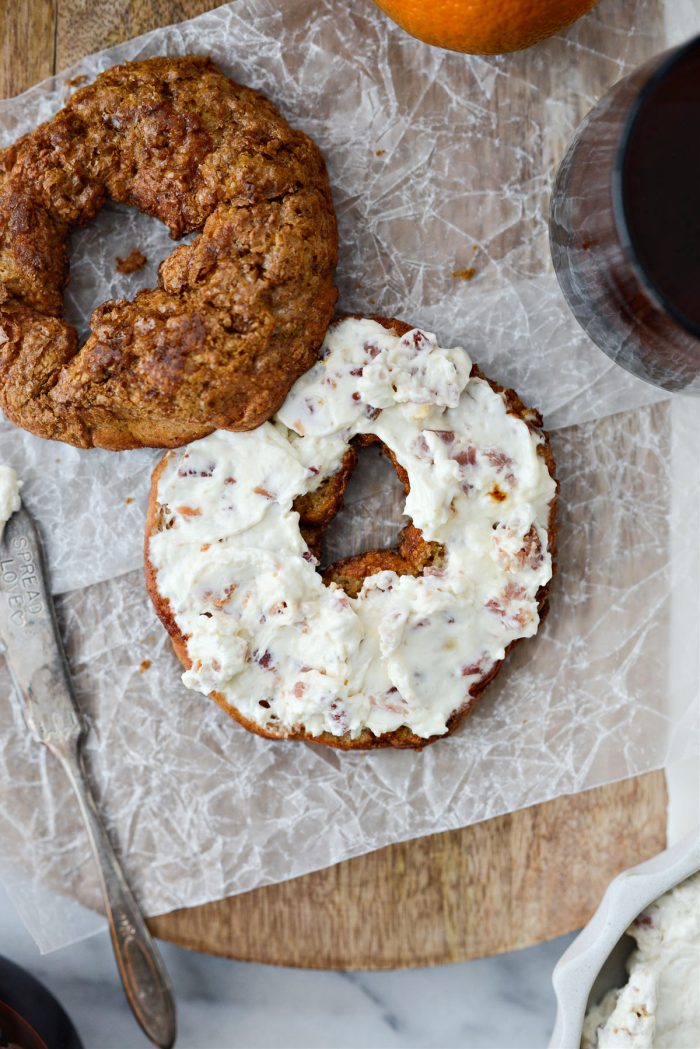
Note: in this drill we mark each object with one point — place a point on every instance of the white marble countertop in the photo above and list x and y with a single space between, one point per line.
494 1003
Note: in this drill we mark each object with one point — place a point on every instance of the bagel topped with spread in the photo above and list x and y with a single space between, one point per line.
389 647
239 313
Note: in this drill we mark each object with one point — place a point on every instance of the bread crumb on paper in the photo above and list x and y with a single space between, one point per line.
134 261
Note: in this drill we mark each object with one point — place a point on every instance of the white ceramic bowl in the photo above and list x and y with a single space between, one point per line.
594 963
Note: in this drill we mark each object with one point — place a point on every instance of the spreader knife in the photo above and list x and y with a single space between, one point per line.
34 653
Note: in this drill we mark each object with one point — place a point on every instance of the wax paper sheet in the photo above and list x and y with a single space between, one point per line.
200 808
441 167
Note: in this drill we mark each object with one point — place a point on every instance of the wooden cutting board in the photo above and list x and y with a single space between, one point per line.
502 884
497 886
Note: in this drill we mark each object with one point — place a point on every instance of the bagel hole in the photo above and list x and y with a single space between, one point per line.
371 515
93 250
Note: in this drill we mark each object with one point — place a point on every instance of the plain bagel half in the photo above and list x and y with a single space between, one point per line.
238 314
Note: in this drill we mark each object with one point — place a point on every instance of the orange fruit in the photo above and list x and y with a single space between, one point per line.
484 27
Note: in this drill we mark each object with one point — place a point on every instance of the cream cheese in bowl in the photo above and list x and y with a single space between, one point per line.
658 904
659 1007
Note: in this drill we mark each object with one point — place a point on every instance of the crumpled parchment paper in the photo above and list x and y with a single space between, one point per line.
442 214
426 184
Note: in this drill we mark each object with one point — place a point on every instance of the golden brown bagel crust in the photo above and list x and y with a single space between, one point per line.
237 315
411 556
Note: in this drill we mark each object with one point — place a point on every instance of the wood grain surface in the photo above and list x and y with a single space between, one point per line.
502 884
497 886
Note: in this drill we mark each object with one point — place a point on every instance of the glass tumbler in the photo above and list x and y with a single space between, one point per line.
625 221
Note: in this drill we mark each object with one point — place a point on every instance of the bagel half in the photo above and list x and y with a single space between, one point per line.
238 315
411 556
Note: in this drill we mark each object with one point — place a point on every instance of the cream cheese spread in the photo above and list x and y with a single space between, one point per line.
659 1007
9 495
265 632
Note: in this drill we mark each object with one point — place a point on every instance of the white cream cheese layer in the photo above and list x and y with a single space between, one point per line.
262 628
9 495
659 1007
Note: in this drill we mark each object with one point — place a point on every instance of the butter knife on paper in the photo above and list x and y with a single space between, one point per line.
32 647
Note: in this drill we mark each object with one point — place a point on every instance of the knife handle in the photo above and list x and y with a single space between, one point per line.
141 968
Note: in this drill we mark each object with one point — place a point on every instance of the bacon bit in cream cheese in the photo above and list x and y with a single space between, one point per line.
407 650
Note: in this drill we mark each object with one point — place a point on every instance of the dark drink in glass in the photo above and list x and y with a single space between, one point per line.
625 221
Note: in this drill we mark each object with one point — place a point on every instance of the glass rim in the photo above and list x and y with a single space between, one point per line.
675 56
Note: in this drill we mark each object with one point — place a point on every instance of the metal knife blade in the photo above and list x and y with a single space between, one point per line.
32 647
30 637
